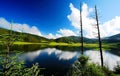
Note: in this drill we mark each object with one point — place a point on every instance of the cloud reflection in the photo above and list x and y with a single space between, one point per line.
110 60
31 55
61 55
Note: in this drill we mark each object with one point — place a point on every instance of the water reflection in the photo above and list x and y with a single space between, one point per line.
61 55
30 55
55 61
52 56
110 60
58 60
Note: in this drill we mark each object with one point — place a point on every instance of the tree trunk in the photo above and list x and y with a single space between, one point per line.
81 30
99 38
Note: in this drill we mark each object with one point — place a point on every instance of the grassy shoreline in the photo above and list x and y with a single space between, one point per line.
105 46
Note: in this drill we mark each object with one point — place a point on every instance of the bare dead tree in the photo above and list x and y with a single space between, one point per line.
99 37
81 30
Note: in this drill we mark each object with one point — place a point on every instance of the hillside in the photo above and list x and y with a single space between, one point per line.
75 39
112 39
68 39
25 36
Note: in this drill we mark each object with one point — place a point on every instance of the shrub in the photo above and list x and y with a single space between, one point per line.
117 69
17 67
83 68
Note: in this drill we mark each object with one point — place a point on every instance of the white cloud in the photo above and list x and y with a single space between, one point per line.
66 32
74 17
34 30
107 29
88 28
111 27
50 36
18 27
58 35
61 33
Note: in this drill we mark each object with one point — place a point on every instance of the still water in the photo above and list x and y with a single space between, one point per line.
54 61
58 62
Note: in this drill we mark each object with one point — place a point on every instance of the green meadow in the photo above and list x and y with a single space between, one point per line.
105 46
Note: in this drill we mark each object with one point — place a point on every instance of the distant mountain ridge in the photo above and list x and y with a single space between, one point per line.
117 36
112 39
68 39
74 39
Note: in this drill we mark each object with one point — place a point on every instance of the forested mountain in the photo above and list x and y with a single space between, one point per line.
69 39
25 36
74 39
112 39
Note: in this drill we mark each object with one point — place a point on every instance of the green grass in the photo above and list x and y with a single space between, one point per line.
63 44
86 45
25 43
20 43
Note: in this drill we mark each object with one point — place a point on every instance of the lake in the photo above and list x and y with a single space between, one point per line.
57 61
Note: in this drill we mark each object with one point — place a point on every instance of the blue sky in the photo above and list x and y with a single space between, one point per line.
57 18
